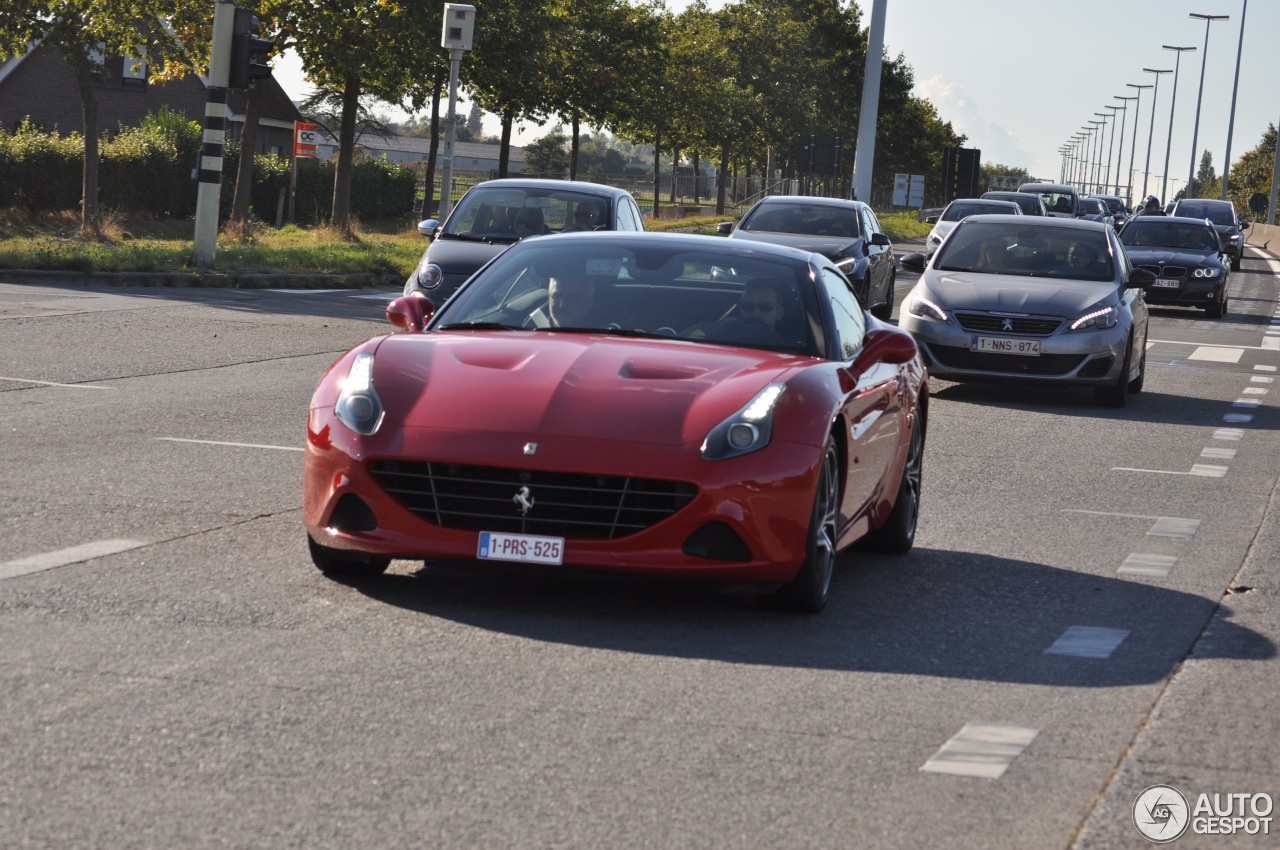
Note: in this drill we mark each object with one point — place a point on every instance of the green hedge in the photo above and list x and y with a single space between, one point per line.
148 169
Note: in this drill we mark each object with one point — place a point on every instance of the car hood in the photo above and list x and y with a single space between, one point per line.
1175 256
456 256
568 384
1011 293
834 247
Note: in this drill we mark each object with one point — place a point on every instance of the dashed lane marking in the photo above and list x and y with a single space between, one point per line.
1228 434
1218 454
1217 354
1165 526
983 750
1144 564
235 445
62 557
1199 470
1088 642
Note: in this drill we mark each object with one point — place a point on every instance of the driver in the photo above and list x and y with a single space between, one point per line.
762 302
570 301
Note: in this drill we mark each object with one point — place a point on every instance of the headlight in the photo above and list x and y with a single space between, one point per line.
847 265
935 239
926 308
430 277
1234 237
746 431
358 406
1102 318
1205 273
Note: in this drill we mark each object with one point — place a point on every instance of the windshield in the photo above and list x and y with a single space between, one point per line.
594 285
1151 232
959 210
1056 201
511 213
1007 249
809 219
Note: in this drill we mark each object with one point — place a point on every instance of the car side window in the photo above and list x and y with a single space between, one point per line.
628 212
851 324
869 223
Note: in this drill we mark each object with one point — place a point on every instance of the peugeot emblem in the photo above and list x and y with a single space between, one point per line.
1006 324
524 500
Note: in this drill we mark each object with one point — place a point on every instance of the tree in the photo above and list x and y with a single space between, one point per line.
84 32
475 122
1205 184
1252 172
547 155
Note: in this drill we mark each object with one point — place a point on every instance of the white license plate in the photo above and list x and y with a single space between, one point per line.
522 548
1165 282
1004 345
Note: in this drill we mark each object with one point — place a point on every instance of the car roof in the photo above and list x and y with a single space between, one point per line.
1210 202
810 199
1147 220
1021 221
1048 187
552 185
687 241
995 201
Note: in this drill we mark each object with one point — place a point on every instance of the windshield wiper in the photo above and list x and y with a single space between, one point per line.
478 326
468 237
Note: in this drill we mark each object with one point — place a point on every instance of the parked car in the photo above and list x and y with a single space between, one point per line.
1115 206
1029 203
962 208
1022 299
1060 200
845 232
1225 220
491 216
1187 257
658 404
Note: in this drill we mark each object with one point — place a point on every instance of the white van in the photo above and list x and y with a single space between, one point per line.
1059 199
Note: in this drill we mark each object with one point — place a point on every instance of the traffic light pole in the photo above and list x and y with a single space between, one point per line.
215 135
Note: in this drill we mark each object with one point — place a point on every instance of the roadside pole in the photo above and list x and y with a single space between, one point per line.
864 156
456 36
215 135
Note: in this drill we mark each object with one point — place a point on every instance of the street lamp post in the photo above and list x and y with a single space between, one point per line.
1100 176
1133 145
1124 118
1095 156
1204 57
1231 120
1076 147
1155 98
1111 145
1164 178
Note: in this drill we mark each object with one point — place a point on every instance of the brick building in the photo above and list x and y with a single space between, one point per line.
40 87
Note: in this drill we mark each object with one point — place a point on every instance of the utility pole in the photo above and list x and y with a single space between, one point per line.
209 190
864 156
1231 120
459 28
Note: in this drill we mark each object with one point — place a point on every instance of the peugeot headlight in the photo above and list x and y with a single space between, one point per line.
746 431
921 306
1205 273
358 406
430 277
846 265
935 239
1100 318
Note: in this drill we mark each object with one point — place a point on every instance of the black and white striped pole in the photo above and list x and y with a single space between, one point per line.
215 134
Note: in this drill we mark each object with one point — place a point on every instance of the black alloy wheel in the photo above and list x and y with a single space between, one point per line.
807 593
898 534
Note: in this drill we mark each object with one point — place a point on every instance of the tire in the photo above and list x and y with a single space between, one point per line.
1235 261
884 312
1215 310
1117 395
1135 386
807 593
334 563
898 534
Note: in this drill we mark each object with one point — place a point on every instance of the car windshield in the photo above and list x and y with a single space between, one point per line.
507 212
1152 232
1217 213
1008 249
959 210
809 219
653 290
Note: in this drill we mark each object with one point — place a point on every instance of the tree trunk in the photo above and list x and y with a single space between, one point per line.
248 145
722 179
697 160
504 150
429 190
573 147
341 218
657 174
675 173
89 184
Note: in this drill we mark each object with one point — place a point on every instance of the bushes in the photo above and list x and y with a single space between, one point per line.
148 169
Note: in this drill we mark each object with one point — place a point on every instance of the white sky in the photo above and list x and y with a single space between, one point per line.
1066 60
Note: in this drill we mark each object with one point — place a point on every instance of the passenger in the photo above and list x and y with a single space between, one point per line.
585 217
530 223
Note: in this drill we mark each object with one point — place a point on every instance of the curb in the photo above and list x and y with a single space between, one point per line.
207 280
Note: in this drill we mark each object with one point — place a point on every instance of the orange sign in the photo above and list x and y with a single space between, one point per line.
305 137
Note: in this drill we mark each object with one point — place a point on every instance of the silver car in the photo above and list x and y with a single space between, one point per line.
1024 299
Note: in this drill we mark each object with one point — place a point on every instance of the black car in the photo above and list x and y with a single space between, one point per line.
846 232
1225 220
1187 257
494 215
1029 204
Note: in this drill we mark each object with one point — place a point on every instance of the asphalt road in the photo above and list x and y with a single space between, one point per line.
1090 609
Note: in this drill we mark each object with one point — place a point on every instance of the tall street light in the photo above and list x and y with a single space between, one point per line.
1099 180
1231 121
1173 101
1155 97
1090 128
1111 147
1204 56
1124 118
1077 147
1133 145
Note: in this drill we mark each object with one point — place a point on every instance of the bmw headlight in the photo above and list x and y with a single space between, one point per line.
430 277
358 406
1100 317
1211 273
746 431
921 306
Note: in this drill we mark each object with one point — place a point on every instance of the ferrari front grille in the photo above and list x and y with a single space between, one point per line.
1029 325
559 504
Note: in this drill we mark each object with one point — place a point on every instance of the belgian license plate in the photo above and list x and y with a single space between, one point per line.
1166 282
522 548
1004 345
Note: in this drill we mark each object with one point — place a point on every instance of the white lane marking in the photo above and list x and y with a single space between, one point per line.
1143 564
1254 391
1237 418
1266 343
381 296
984 750
1218 454
1246 402
1265 368
1088 642
55 384
308 291
236 445
1216 354
1262 379
1228 433
1199 470
1272 343
62 557
1171 526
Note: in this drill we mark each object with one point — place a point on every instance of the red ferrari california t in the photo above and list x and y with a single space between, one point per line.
660 404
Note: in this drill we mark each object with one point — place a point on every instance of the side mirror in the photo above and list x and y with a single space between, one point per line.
887 344
931 219
1244 225
410 312
881 240
913 262
1142 278
427 227
724 228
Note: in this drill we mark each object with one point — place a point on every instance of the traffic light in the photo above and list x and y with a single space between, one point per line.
248 52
